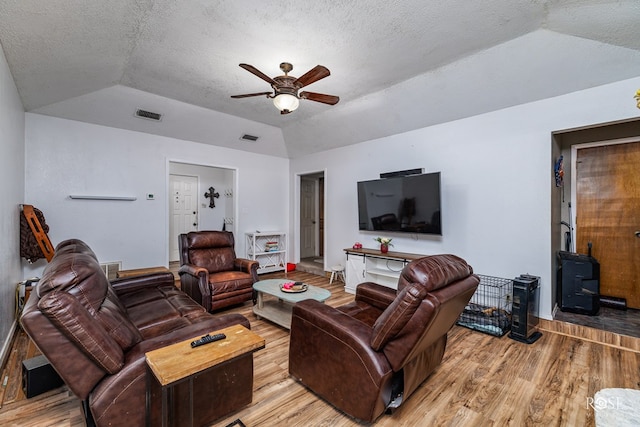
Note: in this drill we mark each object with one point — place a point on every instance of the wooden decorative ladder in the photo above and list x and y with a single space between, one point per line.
38 231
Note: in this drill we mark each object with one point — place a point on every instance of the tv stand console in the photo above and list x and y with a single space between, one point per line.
370 265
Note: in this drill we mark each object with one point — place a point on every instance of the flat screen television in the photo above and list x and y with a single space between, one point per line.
409 204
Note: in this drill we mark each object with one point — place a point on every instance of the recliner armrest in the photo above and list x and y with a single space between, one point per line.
376 295
198 277
248 266
192 270
129 284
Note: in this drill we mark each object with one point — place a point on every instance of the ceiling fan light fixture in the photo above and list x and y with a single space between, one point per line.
286 102
285 88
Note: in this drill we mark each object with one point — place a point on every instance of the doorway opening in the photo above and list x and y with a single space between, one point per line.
311 220
565 205
190 210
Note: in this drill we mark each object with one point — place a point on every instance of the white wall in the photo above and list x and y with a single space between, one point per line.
66 157
497 174
11 196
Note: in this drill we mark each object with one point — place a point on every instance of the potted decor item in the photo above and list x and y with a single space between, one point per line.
385 242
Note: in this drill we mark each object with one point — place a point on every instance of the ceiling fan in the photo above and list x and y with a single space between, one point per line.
285 88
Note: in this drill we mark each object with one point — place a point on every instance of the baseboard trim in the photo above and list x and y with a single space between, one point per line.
6 347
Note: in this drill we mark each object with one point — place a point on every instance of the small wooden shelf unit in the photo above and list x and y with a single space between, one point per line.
269 249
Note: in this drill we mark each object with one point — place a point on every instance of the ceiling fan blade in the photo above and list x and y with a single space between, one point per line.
320 97
255 71
246 95
313 75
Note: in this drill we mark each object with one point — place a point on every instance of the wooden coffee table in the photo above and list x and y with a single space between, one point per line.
180 362
277 305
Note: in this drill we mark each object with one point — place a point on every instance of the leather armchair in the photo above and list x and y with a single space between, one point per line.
211 274
370 355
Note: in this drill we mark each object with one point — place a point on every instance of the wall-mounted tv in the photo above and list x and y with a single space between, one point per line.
409 204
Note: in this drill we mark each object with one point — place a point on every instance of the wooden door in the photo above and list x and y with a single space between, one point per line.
183 210
608 215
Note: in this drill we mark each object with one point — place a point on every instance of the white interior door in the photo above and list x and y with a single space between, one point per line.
183 210
307 217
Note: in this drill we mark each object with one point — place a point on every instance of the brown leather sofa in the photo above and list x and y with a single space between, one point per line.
371 354
96 333
211 274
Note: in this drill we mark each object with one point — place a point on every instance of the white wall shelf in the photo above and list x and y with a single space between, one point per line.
269 249
121 198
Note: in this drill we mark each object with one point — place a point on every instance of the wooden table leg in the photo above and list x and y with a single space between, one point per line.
260 302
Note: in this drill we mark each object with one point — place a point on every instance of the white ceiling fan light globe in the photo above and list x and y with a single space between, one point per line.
285 101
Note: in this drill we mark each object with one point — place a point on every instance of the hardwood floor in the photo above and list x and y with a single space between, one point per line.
483 380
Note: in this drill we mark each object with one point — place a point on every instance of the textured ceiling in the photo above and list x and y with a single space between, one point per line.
396 65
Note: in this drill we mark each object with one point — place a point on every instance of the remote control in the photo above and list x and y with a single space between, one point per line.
207 339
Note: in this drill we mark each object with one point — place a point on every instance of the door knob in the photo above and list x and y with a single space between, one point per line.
637 233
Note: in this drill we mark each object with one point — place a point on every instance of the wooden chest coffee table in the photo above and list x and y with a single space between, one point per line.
277 305
177 363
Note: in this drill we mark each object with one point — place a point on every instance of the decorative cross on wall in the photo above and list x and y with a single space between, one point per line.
211 195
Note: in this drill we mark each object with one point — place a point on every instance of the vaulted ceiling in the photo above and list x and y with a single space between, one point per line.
396 65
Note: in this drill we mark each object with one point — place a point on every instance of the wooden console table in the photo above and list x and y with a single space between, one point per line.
370 265
180 362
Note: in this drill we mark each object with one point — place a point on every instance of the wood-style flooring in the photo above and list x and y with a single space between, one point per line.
482 381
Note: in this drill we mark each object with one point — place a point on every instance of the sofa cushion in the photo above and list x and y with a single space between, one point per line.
229 281
366 313
160 309
396 316
80 327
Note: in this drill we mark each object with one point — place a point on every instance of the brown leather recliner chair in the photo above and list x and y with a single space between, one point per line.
211 274
372 354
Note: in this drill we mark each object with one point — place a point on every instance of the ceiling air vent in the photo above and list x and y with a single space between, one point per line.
149 115
247 137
